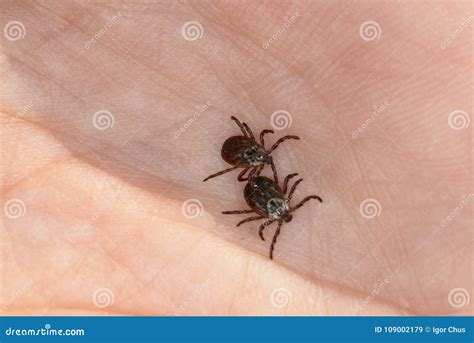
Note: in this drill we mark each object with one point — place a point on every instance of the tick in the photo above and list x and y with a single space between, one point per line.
269 201
245 152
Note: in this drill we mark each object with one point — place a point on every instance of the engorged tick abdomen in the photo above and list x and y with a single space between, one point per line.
259 191
233 148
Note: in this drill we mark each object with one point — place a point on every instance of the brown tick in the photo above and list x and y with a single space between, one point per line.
268 200
245 152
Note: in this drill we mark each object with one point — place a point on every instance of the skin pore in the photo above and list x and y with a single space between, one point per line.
112 210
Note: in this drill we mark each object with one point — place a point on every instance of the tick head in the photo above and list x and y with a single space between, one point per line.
278 208
287 218
255 155
268 159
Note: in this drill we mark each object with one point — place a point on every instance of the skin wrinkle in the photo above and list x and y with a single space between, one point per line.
298 167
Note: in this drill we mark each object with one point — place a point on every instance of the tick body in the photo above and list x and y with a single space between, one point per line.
245 152
271 202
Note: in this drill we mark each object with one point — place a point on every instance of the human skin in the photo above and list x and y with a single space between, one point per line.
103 208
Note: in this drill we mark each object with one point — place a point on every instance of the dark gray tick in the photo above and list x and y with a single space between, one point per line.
268 200
245 152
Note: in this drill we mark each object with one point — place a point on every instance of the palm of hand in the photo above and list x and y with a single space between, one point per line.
103 208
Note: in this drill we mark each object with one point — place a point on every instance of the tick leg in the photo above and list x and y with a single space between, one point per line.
293 188
220 173
305 200
275 236
249 219
255 172
249 131
238 212
240 125
262 227
262 142
241 175
281 140
285 182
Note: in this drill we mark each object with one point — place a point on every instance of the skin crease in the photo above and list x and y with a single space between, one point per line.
103 208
